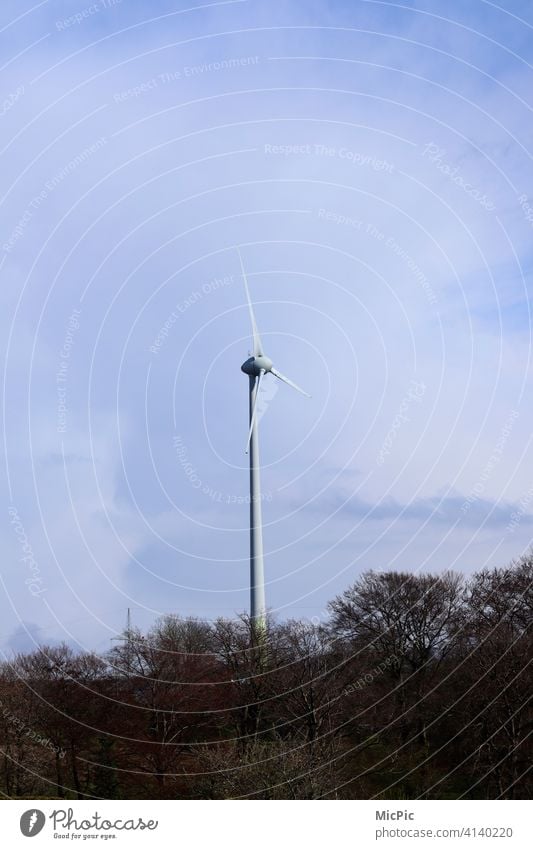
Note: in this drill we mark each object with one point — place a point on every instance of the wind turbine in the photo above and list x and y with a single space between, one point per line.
256 367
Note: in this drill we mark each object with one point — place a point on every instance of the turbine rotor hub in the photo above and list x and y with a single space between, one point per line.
254 365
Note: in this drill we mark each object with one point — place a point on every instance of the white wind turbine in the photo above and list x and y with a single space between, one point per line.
256 367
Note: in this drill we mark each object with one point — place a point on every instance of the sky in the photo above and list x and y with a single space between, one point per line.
371 162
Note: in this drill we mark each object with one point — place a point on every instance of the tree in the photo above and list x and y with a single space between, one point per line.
165 678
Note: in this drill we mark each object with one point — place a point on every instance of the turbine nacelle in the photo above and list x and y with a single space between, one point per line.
255 365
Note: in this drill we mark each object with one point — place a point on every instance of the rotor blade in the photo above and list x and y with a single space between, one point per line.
254 411
258 348
282 377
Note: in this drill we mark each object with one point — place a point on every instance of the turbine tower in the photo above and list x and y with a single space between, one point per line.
256 367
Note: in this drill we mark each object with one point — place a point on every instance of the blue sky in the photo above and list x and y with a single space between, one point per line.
372 161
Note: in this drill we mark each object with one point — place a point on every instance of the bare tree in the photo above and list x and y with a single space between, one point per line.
165 676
